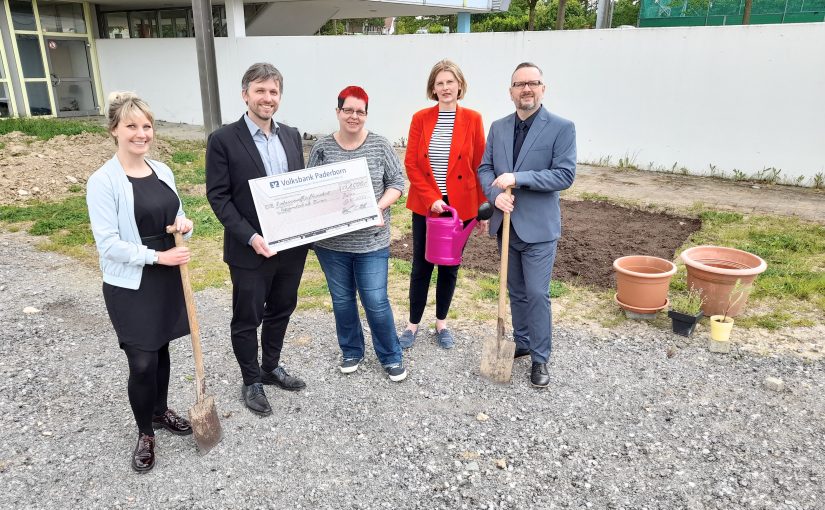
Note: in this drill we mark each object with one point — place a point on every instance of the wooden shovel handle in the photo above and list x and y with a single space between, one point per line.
505 246
189 298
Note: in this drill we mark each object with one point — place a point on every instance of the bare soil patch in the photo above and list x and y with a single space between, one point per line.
594 234
53 169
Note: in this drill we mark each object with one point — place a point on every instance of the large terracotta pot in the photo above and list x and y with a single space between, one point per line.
714 270
642 282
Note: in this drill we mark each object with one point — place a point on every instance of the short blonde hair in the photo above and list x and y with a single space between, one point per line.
123 105
446 65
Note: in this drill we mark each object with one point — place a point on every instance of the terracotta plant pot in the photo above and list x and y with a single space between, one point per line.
719 329
642 282
714 270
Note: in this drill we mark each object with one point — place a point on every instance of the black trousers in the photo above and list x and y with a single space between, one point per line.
267 295
422 272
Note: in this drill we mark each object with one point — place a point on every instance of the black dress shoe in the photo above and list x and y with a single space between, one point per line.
143 458
171 421
255 399
279 377
520 353
539 377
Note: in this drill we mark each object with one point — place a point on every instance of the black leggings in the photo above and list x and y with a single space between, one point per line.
148 384
422 272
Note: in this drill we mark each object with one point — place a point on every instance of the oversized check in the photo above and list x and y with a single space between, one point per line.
303 206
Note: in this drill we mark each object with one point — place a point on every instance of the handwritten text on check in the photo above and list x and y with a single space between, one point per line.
303 206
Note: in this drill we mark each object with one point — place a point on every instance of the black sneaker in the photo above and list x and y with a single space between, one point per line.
396 372
350 365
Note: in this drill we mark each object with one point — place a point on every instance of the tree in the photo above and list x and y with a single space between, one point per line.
531 4
746 15
349 25
411 24
626 12
560 15
577 14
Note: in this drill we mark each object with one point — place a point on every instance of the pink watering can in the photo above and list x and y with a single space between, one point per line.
446 235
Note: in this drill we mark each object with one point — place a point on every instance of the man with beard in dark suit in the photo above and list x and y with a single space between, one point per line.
264 283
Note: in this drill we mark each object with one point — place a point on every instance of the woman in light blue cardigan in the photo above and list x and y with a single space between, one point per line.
131 200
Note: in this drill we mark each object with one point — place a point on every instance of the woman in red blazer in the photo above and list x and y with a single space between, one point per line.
446 143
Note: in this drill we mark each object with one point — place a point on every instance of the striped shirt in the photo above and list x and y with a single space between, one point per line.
439 151
385 171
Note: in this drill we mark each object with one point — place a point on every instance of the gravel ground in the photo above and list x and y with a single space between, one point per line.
630 421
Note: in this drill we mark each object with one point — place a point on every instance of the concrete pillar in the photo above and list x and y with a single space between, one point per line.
235 20
207 68
604 14
463 22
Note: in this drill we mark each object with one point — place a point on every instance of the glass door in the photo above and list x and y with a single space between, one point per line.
71 76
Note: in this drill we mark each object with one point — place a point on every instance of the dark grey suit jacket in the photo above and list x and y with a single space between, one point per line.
231 160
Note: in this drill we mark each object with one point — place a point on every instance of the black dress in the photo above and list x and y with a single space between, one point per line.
149 317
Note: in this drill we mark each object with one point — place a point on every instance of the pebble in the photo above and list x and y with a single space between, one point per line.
774 384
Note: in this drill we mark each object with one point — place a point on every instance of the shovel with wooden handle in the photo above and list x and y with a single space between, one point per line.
203 416
497 352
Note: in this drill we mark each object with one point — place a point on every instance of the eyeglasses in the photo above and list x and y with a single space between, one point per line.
349 111
530 84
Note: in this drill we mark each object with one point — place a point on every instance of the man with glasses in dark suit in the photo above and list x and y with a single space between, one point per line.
534 152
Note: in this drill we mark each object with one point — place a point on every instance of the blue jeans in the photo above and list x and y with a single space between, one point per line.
365 273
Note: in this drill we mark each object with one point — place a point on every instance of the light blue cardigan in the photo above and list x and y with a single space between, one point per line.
111 203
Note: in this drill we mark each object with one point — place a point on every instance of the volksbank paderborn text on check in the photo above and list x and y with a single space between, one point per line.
303 206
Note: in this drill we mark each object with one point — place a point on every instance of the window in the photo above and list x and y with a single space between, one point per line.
31 59
22 15
116 25
66 18
157 23
143 24
219 20
38 94
174 23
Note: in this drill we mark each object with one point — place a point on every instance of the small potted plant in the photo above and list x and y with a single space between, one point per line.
721 325
685 311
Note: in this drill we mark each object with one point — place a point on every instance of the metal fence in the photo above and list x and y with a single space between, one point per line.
669 13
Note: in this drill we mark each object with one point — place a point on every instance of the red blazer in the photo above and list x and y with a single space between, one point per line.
466 149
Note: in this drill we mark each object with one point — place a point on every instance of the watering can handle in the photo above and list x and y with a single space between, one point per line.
446 208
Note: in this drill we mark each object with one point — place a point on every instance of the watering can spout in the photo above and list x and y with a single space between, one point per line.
485 211
462 235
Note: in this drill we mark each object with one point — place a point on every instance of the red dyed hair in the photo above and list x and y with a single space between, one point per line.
356 92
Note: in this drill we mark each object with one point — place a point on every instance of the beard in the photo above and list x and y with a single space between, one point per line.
527 103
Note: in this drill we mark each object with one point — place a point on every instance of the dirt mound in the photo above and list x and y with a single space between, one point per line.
594 234
55 168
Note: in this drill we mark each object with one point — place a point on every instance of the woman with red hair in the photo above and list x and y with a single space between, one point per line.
444 150
358 262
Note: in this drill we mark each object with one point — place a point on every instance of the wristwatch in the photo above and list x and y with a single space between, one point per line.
156 258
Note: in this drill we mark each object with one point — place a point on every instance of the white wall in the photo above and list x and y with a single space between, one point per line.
733 97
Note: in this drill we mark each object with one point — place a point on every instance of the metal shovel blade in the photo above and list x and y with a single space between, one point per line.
206 426
497 356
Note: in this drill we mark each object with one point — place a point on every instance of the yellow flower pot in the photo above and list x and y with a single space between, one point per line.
720 329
